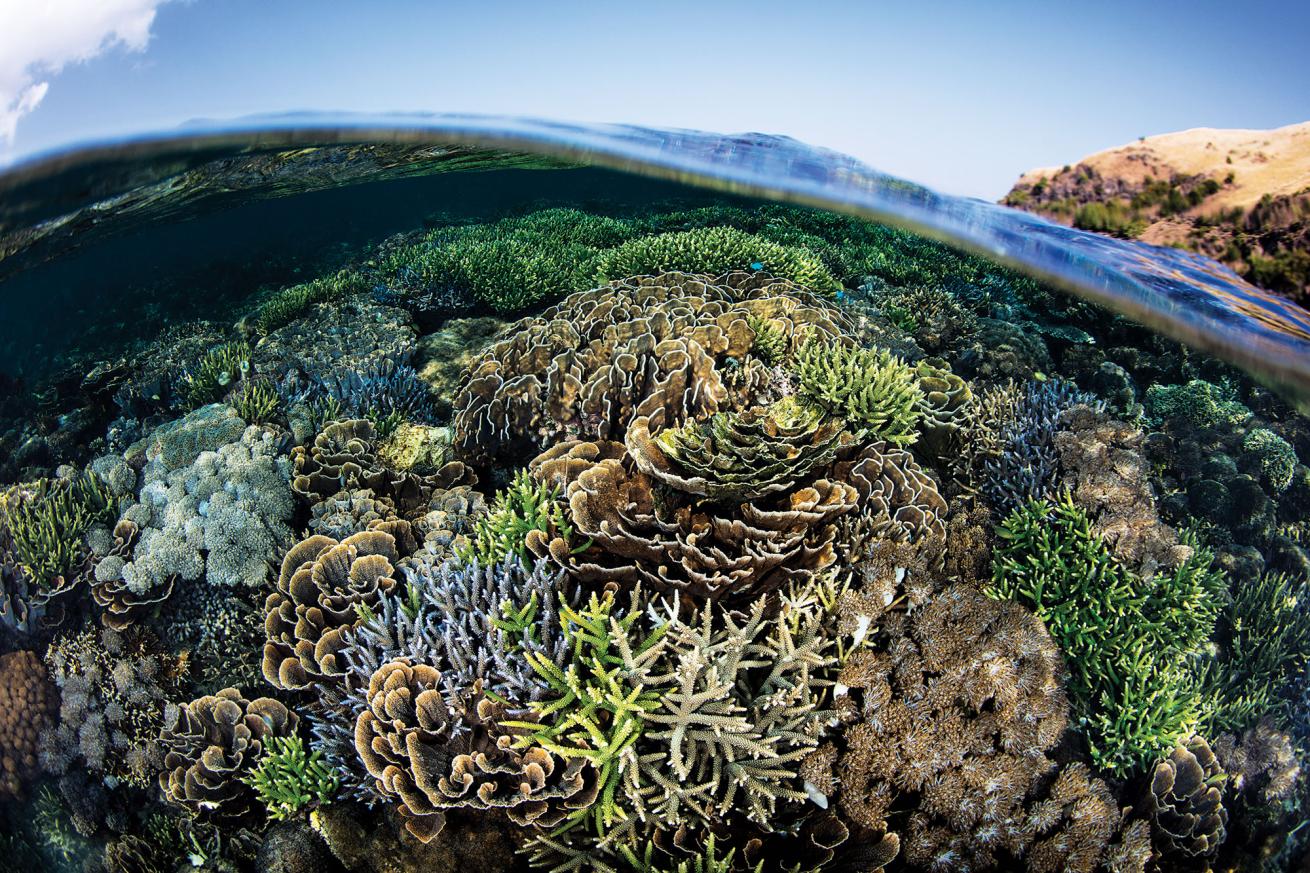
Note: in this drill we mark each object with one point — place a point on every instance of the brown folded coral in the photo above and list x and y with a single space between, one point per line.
213 743
344 458
122 606
588 365
321 589
1186 800
667 541
28 705
432 750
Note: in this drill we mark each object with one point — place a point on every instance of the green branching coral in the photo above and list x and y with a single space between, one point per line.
1275 456
870 388
1266 646
714 251
744 455
217 372
707 861
1201 403
513 263
525 514
256 401
48 520
1125 638
289 780
289 303
770 343
596 707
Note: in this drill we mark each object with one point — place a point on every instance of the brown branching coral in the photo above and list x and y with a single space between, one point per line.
1101 461
433 749
212 744
28 705
587 366
321 589
1186 801
956 708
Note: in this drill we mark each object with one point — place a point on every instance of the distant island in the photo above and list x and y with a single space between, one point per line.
1239 196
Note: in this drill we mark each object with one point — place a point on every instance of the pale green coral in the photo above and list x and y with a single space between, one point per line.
289 780
216 374
1201 403
714 251
872 389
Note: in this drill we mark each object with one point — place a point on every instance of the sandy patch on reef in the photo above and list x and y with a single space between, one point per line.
1262 161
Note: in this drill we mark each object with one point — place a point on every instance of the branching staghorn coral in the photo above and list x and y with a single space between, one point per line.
1125 637
477 624
526 510
216 373
46 524
1265 648
872 390
289 780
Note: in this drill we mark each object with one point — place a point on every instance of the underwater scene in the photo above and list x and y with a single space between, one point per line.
502 497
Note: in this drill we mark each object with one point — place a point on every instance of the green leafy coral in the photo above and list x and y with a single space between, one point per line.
1126 639
1266 632
289 779
871 389
288 304
744 455
715 250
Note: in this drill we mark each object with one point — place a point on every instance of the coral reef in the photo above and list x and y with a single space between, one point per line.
591 364
872 390
288 780
213 745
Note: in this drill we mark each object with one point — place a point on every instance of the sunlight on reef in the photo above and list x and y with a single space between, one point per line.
553 519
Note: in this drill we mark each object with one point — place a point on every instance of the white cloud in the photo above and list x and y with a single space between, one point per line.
38 38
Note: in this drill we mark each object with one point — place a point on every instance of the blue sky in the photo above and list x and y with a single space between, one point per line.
960 96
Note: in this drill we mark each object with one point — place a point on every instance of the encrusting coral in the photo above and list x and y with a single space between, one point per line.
213 745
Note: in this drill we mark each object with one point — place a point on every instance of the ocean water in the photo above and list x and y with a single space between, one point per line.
440 492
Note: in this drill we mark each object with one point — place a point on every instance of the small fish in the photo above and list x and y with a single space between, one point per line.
756 265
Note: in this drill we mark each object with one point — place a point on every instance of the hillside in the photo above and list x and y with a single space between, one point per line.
1240 196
